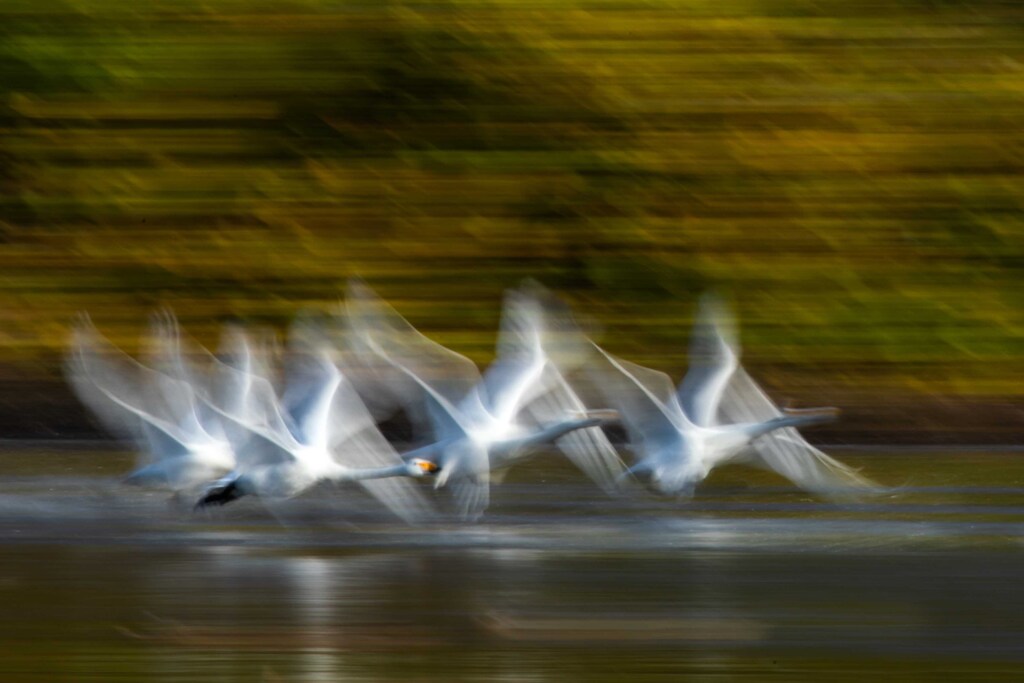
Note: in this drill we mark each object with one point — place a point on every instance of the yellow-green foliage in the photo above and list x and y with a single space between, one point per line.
850 173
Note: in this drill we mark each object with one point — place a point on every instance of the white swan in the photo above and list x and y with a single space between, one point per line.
718 416
319 431
179 447
474 418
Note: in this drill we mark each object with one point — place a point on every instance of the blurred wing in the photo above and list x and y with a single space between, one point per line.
646 400
256 444
589 449
714 357
422 368
125 395
82 362
259 433
252 351
348 416
514 378
451 375
230 375
160 347
182 358
249 399
383 391
355 442
161 444
236 349
369 449
785 451
164 347
312 379
562 339
308 400
472 495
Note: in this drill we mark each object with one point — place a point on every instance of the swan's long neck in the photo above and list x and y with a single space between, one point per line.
552 432
542 437
373 473
760 429
727 440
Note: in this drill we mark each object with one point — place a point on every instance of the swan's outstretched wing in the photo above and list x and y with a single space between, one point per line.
466 468
130 399
450 374
234 389
645 398
228 381
308 399
356 443
352 438
472 495
516 376
256 445
589 449
247 405
714 356
563 337
421 368
533 323
162 347
251 417
91 362
251 351
311 381
383 389
178 355
785 451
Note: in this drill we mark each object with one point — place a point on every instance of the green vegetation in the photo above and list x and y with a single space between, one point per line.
850 173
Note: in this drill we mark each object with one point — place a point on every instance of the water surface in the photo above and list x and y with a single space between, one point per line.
751 580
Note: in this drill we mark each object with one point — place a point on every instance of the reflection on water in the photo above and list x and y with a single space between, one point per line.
750 580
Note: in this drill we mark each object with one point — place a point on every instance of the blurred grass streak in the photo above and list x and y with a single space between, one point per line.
849 172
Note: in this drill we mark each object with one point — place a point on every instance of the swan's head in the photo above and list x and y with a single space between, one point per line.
418 467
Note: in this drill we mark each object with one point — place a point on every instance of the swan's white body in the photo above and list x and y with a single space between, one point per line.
475 419
719 415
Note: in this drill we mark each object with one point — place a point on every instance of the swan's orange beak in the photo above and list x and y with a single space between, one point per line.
426 465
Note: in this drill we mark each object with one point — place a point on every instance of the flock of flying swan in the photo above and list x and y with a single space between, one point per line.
241 423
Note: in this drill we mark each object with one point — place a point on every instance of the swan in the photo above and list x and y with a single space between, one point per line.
317 431
179 447
474 418
538 325
719 415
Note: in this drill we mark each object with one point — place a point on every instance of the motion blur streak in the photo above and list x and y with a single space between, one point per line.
854 169
746 581
848 174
